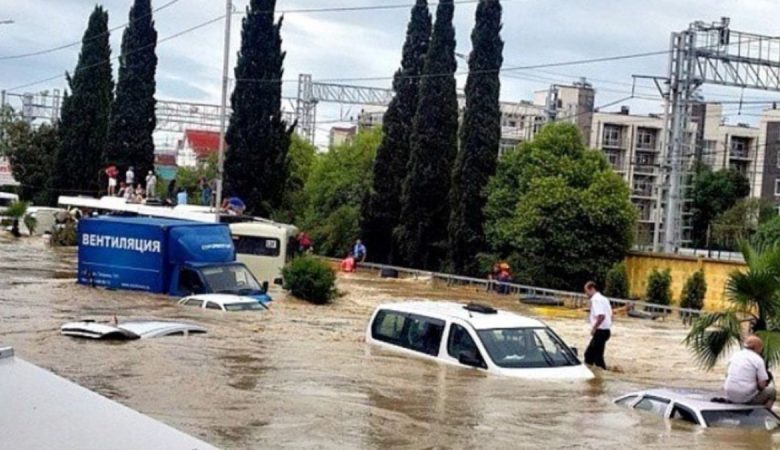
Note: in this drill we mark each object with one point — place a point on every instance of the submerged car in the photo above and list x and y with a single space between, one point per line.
224 302
477 336
133 329
697 407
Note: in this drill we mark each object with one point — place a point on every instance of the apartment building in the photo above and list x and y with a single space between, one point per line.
632 145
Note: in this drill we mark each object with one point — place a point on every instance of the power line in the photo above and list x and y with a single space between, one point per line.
74 43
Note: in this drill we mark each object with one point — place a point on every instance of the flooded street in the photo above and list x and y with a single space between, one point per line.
300 375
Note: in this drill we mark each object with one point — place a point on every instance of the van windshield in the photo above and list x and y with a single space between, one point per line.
526 348
232 279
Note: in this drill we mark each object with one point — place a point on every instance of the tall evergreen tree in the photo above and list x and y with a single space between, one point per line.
133 119
84 112
256 163
422 234
480 134
380 213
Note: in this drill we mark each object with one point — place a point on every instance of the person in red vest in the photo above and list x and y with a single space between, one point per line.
348 263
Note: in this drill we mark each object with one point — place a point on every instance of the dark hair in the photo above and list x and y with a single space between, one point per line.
591 285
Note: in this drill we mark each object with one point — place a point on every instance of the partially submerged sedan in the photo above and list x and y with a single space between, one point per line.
223 302
698 407
475 336
133 329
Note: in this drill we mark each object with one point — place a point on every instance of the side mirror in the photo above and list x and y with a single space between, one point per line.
575 351
278 281
470 359
265 286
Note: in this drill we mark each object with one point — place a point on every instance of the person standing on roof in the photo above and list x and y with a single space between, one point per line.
747 380
129 176
600 319
151 185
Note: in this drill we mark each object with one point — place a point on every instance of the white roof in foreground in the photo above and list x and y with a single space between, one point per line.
41 410
222 299
480 321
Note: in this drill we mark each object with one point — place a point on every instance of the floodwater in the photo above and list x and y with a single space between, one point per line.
300 375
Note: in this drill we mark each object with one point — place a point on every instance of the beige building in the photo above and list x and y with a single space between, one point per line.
341 135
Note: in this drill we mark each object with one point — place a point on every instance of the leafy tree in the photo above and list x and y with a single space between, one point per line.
422 233
337 185
712 193
480 135
616 283
659 287
557 211
768 233
302 155
84 113
741 221
694 291
380 215
256 162
133 118
32 154
16 211
753 294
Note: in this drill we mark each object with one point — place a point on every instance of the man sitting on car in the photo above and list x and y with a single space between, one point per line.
747 380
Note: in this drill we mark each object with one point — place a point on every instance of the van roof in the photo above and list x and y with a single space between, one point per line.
478 320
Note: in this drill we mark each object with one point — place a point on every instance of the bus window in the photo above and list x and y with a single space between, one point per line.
252 245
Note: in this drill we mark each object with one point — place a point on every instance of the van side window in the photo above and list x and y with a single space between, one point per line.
190 283
262 246
423 334
654 405
388 326
683 413
460 341
212 305
194 302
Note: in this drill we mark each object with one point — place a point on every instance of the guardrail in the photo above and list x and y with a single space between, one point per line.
570 299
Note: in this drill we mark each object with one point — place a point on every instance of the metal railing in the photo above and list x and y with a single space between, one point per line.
570 299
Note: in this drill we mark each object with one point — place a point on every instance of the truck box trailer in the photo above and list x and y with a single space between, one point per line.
168 256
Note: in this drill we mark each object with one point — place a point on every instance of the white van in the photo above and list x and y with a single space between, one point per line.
475 336
6 198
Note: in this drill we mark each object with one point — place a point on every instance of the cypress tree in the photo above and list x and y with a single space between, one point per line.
383 206
422 233
133 119
480 135
256 162
84 112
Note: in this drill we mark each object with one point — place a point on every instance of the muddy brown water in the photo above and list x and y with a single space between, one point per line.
301 376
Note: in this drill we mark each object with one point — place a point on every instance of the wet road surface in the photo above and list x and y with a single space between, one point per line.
300 375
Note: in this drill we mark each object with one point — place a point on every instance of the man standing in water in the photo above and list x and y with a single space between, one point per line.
600 322
747 380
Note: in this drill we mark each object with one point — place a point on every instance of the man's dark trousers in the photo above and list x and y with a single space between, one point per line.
594 354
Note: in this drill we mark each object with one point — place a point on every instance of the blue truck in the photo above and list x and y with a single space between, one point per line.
175 257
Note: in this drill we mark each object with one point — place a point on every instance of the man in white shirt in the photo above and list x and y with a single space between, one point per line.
747 380
600 324
130 176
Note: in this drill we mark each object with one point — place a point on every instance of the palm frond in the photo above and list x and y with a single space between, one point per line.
16 210
712 335
771 352
754 288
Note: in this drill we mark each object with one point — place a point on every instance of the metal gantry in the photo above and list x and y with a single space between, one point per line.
704 53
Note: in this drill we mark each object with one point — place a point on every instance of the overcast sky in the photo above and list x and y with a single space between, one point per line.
359 44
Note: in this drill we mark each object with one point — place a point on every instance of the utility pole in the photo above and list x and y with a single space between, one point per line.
223 107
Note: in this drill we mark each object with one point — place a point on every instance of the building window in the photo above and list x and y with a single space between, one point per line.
739 147
646 138
778 159
777 187
613 136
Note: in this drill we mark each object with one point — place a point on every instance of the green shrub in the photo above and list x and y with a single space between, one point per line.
694 291
659 287
616 284
310 279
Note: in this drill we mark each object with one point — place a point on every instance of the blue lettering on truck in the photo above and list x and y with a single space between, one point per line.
120 243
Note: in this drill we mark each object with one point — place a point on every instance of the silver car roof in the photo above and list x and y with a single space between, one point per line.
698 399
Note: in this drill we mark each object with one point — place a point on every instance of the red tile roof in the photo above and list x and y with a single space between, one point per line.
203 142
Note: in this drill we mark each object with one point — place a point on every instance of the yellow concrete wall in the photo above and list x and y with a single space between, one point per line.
716 272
